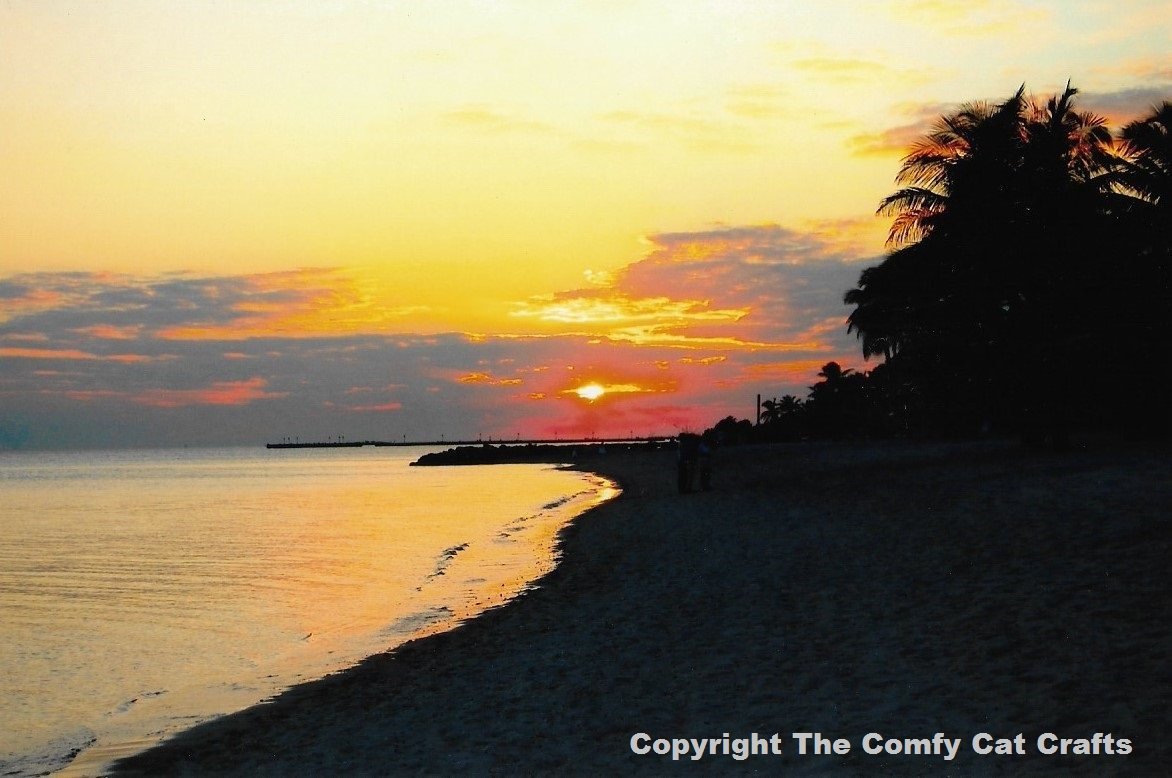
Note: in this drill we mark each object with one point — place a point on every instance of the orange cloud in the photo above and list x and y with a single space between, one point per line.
733 288
110 332
306 303
690 316
797 371
593 390
29 301
380 408
25 337
219 393
77 354
896 141
620 308
893 141
45 353
487 380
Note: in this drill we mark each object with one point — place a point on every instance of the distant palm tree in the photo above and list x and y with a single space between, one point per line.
770 412
833 373
777 410
789 405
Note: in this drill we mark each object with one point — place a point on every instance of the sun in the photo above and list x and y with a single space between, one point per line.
590 392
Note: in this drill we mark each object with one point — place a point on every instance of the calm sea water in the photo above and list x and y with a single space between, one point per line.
144 591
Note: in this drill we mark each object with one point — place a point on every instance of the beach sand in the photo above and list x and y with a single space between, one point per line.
843 589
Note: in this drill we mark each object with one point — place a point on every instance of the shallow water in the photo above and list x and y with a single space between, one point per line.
143 591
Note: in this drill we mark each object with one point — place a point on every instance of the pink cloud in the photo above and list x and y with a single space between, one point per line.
78 354
45 353
379 408
219 393
743 287
110 332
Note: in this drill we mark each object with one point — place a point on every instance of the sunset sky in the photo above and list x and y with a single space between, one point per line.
239 222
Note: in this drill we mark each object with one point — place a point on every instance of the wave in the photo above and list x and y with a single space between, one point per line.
50 757
445 558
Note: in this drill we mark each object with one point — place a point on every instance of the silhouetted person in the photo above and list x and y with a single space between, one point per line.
689 455
704 456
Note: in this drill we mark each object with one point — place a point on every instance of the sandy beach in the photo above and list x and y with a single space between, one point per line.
895 589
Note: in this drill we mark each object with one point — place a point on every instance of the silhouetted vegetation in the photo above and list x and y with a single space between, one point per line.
1029 272
487 454
1025 290
844 404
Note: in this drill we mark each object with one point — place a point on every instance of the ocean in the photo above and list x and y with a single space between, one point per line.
142 592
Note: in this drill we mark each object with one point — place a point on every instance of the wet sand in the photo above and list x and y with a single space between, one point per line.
897 589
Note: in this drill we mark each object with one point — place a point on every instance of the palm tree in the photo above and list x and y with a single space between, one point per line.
770 412
832 374
776 410
789 405
996 238
960 166
1141 181
1145 161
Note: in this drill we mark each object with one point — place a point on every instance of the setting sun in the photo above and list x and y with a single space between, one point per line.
590 392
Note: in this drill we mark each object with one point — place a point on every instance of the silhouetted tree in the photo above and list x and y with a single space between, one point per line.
836 406
1030 273
770 412
1139 292
1003 235
1144 166
730 431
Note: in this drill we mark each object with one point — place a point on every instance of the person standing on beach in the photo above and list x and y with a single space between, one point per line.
704 455
689 453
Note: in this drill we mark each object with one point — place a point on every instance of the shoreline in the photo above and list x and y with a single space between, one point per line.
904 589
495 557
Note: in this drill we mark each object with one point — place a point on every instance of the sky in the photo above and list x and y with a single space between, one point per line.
231 223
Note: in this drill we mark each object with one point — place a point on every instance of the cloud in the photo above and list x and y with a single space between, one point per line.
1122 106
844 70
676 339
1118 107
896 141
69 354
893 141
484 118
45 353
485 379
378 408
110 332
694 131
307 302
974 18
740 287
218 393
759 101
580 308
